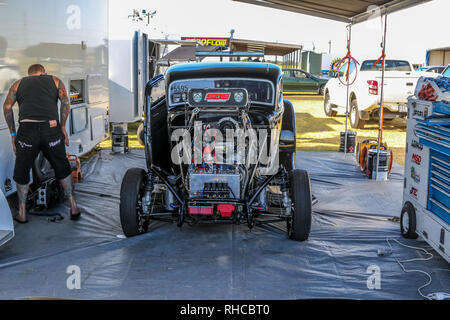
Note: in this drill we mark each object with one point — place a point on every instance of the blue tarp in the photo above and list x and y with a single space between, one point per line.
351 222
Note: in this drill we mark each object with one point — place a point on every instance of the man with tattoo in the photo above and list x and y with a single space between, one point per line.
39 130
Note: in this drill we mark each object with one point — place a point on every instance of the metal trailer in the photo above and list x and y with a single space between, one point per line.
132 63
6 221
426 194
128 75
70 38
129 72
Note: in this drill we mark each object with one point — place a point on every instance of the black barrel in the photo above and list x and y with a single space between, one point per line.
385 158
351 141
119 136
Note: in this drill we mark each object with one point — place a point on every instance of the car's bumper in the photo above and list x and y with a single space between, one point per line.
390 111
392 107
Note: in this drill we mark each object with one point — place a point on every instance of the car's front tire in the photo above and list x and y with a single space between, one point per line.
355 121
131 192
299 225
328 107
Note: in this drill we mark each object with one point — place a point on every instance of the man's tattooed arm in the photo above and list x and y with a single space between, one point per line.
7 107
65 103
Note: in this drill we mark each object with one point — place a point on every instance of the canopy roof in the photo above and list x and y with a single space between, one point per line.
186 53
349 11
189 50
176 42
269 48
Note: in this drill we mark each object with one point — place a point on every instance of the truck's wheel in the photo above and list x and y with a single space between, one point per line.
355 120
131 193
408 221
300 224
328 107
321 89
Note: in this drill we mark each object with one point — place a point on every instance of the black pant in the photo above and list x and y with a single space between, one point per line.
34 137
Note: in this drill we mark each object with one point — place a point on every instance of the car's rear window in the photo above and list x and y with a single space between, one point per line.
391 65
259 91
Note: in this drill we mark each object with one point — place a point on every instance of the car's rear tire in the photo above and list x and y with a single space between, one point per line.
355 121
408 222
328 107
299 225
131 192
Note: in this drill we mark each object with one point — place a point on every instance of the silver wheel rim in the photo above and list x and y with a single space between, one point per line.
405 222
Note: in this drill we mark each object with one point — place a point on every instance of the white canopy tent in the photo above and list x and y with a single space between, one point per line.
350 12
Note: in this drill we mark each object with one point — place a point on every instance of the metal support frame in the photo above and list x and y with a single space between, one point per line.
247 203
381 113
349 28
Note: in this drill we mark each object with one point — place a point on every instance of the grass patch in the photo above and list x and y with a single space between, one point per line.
316 131
133 142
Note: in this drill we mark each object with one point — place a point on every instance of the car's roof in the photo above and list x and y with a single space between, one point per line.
262 70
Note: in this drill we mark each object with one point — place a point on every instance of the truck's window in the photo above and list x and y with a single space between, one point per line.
391 65
436 69
343 69
446 73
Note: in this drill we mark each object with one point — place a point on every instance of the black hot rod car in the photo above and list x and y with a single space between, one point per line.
195 175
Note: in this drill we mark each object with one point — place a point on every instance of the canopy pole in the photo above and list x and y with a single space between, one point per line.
349 40
381 113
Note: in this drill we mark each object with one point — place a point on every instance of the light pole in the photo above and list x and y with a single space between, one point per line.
139 16
231 38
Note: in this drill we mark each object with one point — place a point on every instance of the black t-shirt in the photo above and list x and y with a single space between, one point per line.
38 98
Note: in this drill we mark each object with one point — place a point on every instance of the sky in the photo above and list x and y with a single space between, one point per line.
409 33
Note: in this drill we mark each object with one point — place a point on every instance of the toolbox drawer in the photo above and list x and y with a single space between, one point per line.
439 185
434 137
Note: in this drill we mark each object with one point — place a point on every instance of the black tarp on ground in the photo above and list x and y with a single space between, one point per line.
350 223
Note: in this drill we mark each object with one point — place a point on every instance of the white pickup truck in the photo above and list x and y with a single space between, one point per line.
364 93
